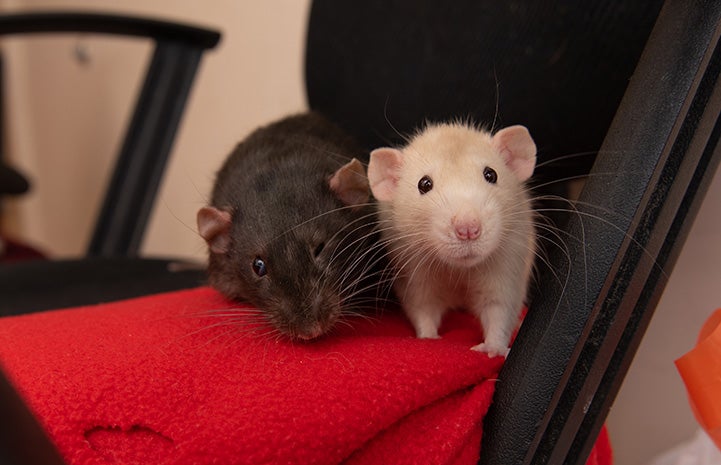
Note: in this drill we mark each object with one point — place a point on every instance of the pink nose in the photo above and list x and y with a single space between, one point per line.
468 231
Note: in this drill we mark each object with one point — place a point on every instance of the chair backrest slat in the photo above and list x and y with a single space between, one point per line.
136 178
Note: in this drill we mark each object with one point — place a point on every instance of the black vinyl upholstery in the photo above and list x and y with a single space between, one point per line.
382 68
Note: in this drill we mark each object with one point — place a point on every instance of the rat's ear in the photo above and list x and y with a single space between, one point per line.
518 150
384 171
214 227
350 183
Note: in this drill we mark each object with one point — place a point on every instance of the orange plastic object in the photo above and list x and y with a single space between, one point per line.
700 369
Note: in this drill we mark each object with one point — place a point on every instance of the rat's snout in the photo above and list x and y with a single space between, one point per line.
466 228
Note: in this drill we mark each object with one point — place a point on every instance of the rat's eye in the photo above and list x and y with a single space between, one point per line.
425 184
490 175
318 249
259 267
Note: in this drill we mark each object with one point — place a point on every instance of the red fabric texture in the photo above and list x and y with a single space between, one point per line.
177 379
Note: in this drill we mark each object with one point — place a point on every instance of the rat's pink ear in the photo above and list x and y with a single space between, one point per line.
516 146
214 227
350 183
384 171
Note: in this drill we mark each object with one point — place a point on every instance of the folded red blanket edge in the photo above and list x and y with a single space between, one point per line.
167 379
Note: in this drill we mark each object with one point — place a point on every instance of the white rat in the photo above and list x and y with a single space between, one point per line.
456 218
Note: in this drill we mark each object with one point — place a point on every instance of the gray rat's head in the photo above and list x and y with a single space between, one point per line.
300 255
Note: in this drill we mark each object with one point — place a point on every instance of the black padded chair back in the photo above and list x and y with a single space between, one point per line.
381 68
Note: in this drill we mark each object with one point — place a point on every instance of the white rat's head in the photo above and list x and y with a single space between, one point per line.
455 191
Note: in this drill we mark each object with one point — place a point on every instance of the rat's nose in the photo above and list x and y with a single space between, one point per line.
467 230
309 332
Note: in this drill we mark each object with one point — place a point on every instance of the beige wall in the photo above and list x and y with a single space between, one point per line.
66 118
651 413
65 134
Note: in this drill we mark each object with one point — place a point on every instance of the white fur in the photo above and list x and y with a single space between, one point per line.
435 269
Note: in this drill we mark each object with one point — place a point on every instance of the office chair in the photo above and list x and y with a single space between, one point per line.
627 91
111 268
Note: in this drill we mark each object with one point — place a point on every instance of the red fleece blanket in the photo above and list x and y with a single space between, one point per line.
176 379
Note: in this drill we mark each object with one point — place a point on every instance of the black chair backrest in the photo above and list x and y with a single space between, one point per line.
559 67
562 68
151 131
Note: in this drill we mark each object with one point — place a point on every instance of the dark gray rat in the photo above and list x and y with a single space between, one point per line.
291 228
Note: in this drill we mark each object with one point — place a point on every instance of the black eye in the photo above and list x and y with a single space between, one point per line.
318 249
490 175
425 184
259 267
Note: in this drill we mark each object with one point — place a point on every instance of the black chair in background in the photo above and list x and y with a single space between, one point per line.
564 69
12 182
111 269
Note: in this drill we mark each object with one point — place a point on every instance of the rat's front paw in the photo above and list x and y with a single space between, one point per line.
427 334
491 351
426 329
